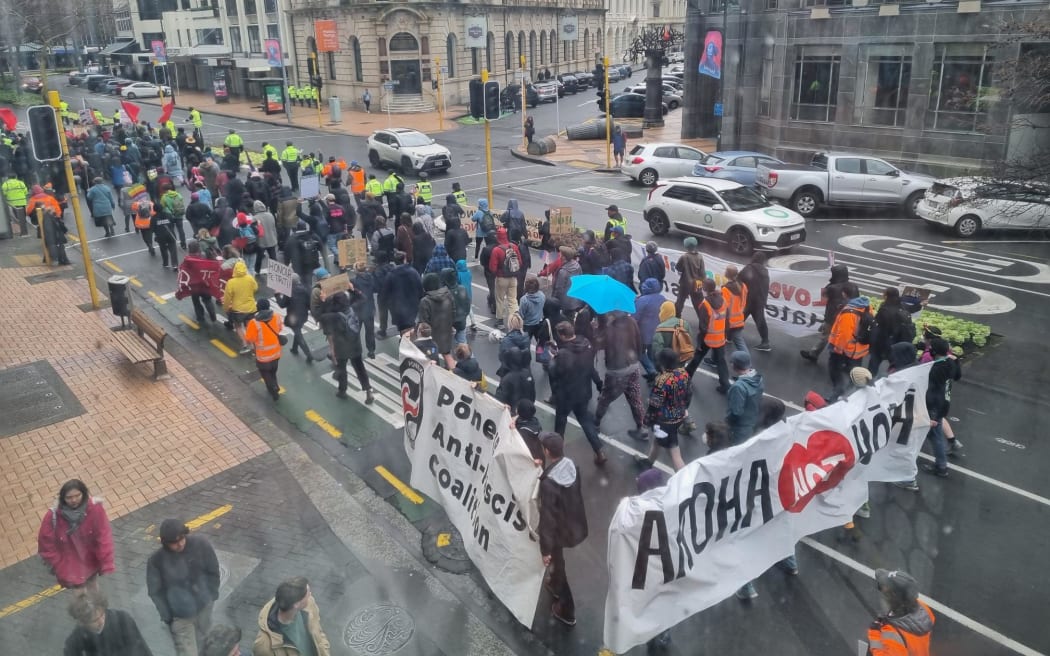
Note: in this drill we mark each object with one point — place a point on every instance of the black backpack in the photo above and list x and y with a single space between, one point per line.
906 332
311 248
864 327
488 223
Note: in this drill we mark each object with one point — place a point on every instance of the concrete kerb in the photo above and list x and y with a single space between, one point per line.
535 159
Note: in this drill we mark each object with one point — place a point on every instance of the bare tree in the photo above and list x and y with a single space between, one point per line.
49 23
653 43
1025 83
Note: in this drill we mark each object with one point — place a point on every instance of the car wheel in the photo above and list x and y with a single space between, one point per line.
131 96
672 105
659 224
740 241
911 206
406 166
806 202
648 177
968 226
373 159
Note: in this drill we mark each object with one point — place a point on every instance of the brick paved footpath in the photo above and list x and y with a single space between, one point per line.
154 450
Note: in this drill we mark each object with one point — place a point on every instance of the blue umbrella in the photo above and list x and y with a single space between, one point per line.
602 293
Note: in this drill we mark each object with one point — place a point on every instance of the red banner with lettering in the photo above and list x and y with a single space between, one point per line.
201 276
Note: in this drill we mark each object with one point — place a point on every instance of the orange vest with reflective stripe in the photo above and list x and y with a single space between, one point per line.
888 640
48 203
267 346
736 305
843 337
715 337
141 223
357 181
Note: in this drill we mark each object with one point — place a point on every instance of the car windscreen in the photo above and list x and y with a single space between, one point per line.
941 189
411 139
743 199
637 150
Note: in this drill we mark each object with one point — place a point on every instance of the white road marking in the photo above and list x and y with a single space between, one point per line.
113 257
993 243
92 241
623 210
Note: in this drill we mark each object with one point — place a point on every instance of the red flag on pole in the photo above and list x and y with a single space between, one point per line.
9 118
166 111
131 109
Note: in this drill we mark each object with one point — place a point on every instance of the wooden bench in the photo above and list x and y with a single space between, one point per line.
145 344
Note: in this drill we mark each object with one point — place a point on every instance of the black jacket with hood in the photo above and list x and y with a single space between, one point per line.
572 372
181 584
756 277
456 238
563 519
837 293
517 383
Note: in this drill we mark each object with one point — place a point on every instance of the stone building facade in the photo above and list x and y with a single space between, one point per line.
410 41
625 19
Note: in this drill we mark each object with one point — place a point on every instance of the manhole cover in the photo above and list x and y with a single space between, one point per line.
379 629
34 396
443 546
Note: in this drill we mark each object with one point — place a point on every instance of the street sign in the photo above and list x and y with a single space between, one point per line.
388 86
718 109
444 70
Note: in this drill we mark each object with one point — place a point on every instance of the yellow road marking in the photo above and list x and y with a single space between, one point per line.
405 490
222 347
189 322
156 297
112 267
313 416
135 281
33 600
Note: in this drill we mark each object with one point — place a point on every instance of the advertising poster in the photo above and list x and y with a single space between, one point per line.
160 53
219 86
326 34
711 59
274 97
570 28
273 53
477 31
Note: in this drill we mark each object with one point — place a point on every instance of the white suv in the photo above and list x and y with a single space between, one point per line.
723 210
407 149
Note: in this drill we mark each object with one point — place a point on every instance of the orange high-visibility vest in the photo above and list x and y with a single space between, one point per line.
264 338
888 640
843 337
736 305
715 337
357 181
140 222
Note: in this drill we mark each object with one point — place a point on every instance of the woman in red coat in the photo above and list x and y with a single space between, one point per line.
75 538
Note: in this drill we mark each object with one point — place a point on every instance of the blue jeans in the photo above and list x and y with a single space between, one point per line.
736 336
646 359
333 248
940 446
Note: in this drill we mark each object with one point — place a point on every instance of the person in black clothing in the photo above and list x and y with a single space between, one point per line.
836 294
517 383
563 522
163 231
528 426
594 257
572 375
102 631
302 251
456 238
369 210
365 282
756 276
652 265
271 165
297 311
893 324
345 343
182 578
226 217
403 288
945 370
403 201
619 245
422 247
198 214
383 268
490 278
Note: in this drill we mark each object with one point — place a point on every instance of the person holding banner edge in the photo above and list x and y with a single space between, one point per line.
563 522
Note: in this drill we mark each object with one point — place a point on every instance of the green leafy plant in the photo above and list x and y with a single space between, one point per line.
960 333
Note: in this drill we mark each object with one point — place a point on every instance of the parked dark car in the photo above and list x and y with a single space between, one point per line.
95 82
76 78
627 105
569 83
510 96
584 79
625 70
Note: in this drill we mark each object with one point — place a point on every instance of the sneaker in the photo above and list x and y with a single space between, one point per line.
369 398
747 593
788 565
912 485
933 469
639 434
600 458
764 347
954 447
659 433
371 355
864 512
808 355
341 394
564 620
643 462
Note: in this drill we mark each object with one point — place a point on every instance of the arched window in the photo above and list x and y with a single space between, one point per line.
553 44
586 42
403 42
521 48
384 63
508 50
543 48
355 49
475 61
450 54
490 51
532 51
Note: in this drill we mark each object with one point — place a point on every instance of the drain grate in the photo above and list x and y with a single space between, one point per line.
32 396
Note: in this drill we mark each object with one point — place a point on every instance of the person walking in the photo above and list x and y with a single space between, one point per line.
668 408
530 131
572 377
263 333
647 314
756 276
485 225
182 579
904 629
734 293
342 325
303 252
504 264
366 98
290 158
235 143
238 301
563 522
835 295
16 195
403 289
266 241
712 320
200 291
744 398
569 269
162 225
849 339
691 275
175 205
652 265
101 202
297 311
945 370
456 238
384 266
623 346
75 539
893 324
517 382
364 281
619 146
290 623
438 309
102 630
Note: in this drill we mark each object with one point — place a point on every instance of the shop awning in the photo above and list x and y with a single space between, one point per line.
118 46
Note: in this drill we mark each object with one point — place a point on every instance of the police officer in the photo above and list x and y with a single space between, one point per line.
390 189
374 186
63 108
290 160
198 123
424 190
459 195
615 219
315 96
234 142
267 148
293 94
16 195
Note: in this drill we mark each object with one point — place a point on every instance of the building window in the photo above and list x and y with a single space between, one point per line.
272 32
554 47
508 47
475 61
209 37
424 45
765 89
235 40
270 6
403 42
249 8
450 54
254 44
231 8
656 10
355 48
960 89
331 64
543 48
816 87
521 48
771 5
382 47
490 51
884 98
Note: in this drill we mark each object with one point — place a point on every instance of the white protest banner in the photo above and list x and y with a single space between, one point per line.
279 277
727 517
466 456
794 305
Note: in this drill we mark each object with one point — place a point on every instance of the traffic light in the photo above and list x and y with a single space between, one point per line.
43 127
317 81
477 99
492 110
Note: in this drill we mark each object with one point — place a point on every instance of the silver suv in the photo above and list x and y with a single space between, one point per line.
407 149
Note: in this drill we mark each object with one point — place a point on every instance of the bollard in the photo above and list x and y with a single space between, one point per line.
335 114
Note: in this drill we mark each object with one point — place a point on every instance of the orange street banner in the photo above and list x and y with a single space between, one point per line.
327 35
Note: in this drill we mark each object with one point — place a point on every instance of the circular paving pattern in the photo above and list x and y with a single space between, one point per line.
379 629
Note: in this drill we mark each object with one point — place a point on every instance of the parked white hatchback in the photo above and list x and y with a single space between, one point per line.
969 205
723 210
649 163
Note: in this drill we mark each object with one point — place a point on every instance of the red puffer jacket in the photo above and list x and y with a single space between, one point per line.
75 557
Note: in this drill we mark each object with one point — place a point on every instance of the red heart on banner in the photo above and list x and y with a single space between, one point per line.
813 468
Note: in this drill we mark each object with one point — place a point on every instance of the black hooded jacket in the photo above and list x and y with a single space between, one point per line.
838 292
572 372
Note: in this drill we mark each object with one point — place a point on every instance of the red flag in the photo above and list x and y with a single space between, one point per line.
131 109
166 111
201 276
9 118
